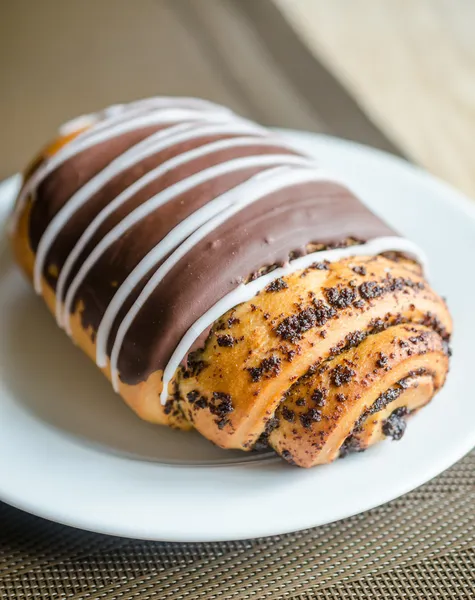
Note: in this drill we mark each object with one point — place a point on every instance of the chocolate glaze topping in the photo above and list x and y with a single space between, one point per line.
264 233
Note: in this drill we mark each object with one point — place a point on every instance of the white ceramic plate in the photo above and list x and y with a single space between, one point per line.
72 452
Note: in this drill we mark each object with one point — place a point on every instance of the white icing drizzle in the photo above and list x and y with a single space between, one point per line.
172 239
78 123
140 151
118 113
133 155
176 134
166 195
147 147
170 242
246 292
236 199
105 130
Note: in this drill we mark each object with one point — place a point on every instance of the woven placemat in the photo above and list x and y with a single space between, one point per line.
421 545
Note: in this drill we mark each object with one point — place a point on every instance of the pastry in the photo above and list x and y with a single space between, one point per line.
223 281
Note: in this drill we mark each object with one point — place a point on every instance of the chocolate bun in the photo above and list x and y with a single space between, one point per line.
223 281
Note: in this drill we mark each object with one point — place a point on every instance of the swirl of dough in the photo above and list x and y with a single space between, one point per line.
320 359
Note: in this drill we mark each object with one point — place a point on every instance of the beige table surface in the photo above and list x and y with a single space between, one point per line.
411 66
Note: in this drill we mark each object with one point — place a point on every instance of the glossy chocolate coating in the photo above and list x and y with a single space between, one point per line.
262 234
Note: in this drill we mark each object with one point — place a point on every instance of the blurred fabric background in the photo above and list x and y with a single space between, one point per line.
396 74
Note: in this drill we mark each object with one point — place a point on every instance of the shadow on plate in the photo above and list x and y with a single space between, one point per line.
55 381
